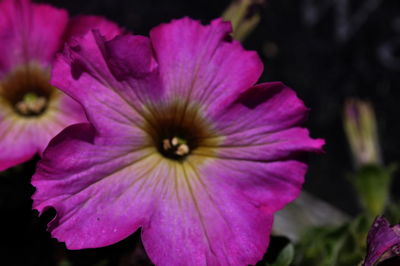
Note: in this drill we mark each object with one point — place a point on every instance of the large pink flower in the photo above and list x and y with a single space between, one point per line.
31 110
181 143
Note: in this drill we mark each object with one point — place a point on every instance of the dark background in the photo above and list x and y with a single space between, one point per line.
326 50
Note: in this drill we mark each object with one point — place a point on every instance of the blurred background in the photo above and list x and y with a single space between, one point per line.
326 50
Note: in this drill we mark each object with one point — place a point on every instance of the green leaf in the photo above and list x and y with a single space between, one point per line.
285 257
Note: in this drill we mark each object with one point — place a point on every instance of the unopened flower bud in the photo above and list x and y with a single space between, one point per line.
361 131
244 15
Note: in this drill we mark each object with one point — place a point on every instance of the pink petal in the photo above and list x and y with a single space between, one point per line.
275 106
22 138
269 185
111 105
199 63
130 56
16 145
203 220
102 192
80 25
261 146
29 32
262 125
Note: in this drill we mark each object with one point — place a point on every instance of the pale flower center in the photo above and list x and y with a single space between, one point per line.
178 131
176 146
31 104
26 90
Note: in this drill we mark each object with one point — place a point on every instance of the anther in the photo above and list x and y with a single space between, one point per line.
166 144
182 150
31 104
176 146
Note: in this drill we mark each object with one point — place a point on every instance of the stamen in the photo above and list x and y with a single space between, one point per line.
176 146
31 104
166 144
182 150
175 141
177 129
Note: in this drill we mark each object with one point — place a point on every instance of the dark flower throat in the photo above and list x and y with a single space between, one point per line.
27 90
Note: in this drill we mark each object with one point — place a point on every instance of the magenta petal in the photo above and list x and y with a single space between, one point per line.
80 25
268 185
29 32
260 146
16 145
205 221
83 73
130 59
87 214
201 64
383 240
274 135
275 105
125 51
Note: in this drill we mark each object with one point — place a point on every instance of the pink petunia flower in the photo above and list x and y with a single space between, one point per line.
31 110
181 143
383 242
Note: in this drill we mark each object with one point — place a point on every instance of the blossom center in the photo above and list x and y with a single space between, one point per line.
27 90
178 130
175 147
31 104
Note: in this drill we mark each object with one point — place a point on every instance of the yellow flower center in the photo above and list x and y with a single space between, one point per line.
176 146
31 104
26 90
178 130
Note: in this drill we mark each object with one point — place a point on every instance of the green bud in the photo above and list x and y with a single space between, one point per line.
362 133
372 183
285 257
244 16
